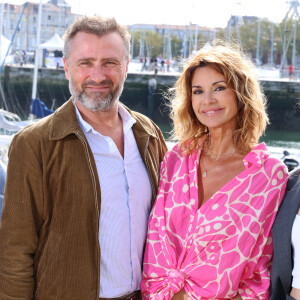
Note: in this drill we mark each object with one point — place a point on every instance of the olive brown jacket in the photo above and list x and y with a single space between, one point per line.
49 246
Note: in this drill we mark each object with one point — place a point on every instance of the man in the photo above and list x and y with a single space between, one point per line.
80 182
285 272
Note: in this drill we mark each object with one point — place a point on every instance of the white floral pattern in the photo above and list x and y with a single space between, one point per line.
221 249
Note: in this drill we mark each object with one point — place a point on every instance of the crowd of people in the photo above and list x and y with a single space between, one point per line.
96 207
156 64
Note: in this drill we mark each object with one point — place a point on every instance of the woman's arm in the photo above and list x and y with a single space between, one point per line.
182 295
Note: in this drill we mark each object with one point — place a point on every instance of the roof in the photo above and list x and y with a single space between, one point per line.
54 43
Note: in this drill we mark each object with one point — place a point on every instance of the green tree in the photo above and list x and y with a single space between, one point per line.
151 43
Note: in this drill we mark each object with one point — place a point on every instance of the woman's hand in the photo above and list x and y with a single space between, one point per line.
237 297
295 293
182 295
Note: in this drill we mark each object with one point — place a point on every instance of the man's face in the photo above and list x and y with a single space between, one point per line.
96 69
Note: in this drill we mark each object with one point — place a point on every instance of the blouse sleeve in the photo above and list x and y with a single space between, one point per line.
255 281
256 286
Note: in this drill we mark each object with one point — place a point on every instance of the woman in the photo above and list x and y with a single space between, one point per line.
209 230
285 274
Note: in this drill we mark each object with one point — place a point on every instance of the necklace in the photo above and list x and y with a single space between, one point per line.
204 171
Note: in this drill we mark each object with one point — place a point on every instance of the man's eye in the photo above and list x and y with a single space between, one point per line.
110 63
84 63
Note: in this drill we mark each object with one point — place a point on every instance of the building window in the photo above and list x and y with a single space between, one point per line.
49 17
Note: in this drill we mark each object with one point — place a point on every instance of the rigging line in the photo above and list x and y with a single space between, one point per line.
3 96
49 90
62 92
26 93
16 29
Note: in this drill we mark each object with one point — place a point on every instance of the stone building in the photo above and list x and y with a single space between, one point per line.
56 17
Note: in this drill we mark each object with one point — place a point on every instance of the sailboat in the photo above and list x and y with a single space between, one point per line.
11 123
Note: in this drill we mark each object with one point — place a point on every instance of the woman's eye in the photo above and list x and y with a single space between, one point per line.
197 92
220 88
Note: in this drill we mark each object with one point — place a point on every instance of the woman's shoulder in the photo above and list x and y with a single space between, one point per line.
260 155
177 156
264 156
272 167
175 149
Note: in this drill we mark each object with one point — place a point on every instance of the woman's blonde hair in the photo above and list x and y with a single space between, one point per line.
239 73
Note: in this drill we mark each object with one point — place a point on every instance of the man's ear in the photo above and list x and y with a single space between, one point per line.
127 63
66 68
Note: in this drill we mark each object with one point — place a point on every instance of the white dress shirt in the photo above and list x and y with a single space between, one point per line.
125 206
296 252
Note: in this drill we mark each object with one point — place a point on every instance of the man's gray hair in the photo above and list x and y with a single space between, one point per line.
95 25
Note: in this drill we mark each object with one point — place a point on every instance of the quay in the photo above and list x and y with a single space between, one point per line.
283 94
163 78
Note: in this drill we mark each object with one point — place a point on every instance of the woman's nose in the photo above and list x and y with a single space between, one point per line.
208 97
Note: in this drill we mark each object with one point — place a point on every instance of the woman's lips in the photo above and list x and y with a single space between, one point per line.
211 111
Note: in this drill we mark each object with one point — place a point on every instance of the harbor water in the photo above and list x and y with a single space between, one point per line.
283 132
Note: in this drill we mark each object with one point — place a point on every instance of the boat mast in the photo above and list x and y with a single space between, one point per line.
294 9
1 24
258 42
36 61
272 46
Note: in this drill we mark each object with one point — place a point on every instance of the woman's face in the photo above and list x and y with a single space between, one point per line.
213 101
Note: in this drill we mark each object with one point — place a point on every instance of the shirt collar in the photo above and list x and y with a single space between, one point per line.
127 119
256 156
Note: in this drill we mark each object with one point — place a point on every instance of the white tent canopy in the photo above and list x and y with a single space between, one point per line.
55 43
4 46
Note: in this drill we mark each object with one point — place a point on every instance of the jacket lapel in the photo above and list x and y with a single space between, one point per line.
282 230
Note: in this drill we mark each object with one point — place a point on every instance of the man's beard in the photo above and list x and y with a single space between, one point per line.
97 101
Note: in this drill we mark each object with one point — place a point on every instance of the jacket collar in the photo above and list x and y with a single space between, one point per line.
64 122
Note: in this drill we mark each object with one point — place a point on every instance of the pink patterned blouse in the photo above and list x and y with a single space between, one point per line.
221 249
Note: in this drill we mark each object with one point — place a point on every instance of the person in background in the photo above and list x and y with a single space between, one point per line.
285 273
81 182
291 71
209 232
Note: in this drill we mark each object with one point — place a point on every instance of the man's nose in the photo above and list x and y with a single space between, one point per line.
97 74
